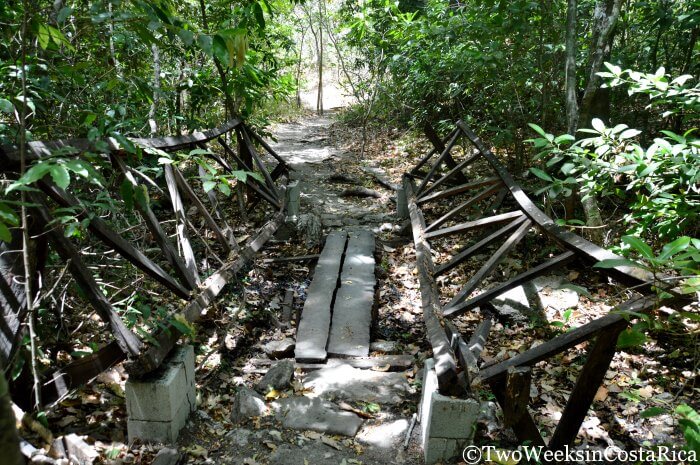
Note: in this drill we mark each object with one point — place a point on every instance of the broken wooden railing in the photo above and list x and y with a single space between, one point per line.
177 270
476 194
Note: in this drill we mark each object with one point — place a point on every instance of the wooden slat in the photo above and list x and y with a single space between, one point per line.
439 145
445 153
590 378
267 147
452 191
517 394
352 311
157 232
165 340
471 250
590 252
445 361
258 160
181 223
469 225
102 230
314 326
543 268
11 320
432 152
569 339
461 349
491 263
395 362
127 340
489 191
477 341
524 428
452 173
189 193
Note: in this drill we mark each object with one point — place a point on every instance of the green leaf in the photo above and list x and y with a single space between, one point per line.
6 106
537 129
564 138
614 262
60 176
141 196
640 246
671 249
653 412
200 152
598 125
225 188
629 133
541 174
208 185
126 189
630 338
5 234
63 14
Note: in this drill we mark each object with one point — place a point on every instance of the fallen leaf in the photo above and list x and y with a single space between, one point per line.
197 451
601 395
330 442
386 367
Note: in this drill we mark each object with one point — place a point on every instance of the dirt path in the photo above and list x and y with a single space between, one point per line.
279 429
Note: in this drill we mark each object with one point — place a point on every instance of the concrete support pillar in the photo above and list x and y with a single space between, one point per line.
292 200
401 204
447 423
159 404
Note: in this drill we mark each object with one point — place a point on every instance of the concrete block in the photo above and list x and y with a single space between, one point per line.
158 431
292 199
401 204
158 405
447 424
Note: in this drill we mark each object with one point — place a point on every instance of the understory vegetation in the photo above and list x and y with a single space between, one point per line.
594 106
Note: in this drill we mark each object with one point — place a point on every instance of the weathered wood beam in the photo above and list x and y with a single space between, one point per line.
590 378
189 193
107 235
570 339
491 263
476 224
445 362
477 342
181 223
445 153
461 348
517 394
458 190
165 340
427 157
439 145
447 177
267 147
156 230
489 191
543 268
485 242
524 427
127 340
258 160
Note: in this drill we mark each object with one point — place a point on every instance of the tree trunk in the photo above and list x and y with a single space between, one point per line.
156 90
301 57
9 440
570 70
319 97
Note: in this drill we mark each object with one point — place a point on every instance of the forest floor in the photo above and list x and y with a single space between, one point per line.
232 343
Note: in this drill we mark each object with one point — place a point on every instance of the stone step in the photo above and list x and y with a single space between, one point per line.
352 312
314 325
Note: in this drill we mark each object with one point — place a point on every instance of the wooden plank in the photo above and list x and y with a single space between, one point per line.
590 378
287 306
469 225
491 264
469 251
297 258
445 360
590 252
477 342
452 191
394 362
570 339
489 191
445 153
461 349
524 428
314 326
439 145
427 157
127 340
102 230
11 321
10 155
156 231
517 394
543 268
189 193
258 160
181 223
165 340
352 311
260 188
447 177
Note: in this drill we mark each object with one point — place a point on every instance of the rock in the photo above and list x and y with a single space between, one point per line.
353 384
278 377
239 436
305 413
247 404
280 348
385 435
387 347
309 228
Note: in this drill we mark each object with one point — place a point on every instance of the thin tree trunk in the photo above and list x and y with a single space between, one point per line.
301 57
319 97
156 90
571 102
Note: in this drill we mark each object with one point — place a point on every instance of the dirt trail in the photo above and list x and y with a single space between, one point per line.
386 401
